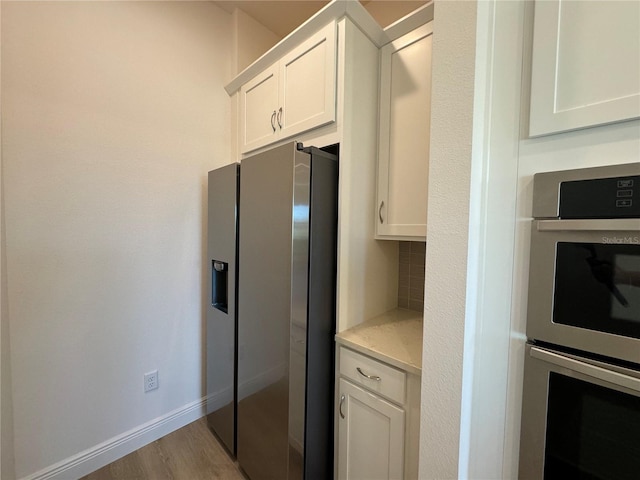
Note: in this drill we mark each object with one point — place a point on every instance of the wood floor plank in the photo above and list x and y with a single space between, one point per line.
189 453
130 469
155 463
102 474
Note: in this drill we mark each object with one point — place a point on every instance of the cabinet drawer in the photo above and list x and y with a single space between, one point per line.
386 381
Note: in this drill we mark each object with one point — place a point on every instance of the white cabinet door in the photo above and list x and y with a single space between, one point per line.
585 66
294 95
370 436
405 121
258 104
308 84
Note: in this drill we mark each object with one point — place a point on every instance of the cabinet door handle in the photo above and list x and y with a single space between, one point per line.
380 211
370 377
273 118
280 118
341 402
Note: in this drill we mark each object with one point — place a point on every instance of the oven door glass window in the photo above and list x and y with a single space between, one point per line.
593 432
597 286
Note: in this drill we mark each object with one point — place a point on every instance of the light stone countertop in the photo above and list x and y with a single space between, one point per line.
395 337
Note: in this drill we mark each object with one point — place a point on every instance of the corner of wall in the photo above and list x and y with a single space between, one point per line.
7 468
251 40
448 226
234 42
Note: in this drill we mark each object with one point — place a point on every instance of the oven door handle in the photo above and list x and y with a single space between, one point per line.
601 225
594 371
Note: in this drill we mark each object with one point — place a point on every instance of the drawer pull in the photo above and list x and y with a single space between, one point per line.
341 402
370 377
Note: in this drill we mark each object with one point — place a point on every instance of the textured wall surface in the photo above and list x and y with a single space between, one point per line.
447 234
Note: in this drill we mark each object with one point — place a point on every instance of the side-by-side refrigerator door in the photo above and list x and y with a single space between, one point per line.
222 235
264 313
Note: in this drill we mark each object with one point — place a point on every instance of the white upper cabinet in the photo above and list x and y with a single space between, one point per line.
296 94
260 97
308 83
585 64
405 120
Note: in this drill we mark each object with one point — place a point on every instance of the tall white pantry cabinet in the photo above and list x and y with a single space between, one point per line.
346 43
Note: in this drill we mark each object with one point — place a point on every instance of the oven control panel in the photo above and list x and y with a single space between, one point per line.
617 197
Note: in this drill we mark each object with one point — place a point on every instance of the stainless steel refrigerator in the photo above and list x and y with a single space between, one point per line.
221 267
284 268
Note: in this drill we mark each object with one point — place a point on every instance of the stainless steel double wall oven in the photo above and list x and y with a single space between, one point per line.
581 396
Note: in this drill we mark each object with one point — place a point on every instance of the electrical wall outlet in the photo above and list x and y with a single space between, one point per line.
151 381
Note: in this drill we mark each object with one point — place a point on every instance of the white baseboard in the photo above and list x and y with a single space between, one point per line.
104 453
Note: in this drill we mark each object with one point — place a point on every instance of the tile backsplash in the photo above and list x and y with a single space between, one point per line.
411 276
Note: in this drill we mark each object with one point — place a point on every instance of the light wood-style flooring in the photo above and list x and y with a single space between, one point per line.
190 453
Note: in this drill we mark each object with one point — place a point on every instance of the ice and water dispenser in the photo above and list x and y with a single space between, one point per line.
220 285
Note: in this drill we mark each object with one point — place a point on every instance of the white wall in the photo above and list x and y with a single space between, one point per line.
251 40
454 38
388 12
7 468
112 114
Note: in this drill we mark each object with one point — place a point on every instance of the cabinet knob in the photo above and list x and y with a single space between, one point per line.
341 402
280 118
380 212
273 118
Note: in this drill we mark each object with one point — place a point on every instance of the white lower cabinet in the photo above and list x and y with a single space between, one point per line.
371 436
377 414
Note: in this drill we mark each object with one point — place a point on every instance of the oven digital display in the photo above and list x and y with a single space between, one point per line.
597 287
617 197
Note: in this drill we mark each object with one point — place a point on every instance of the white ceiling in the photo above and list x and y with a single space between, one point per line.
283 16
